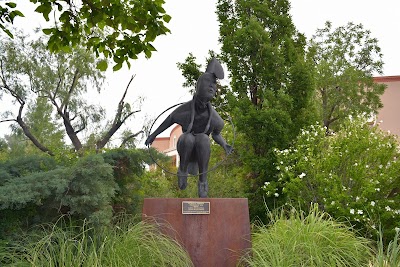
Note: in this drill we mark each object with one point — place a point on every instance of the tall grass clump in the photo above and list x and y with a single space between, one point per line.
389 257
127 243
296 239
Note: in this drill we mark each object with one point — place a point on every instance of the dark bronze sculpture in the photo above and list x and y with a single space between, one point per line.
198 119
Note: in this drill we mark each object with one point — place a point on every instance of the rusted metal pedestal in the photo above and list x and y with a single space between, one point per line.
216 239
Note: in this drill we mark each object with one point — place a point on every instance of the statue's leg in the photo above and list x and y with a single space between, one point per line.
203 151
185 148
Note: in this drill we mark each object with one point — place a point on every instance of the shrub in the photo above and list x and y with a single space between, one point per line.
84 190
353 174
125 244
313 239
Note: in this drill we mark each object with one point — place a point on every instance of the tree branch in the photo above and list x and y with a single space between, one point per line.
118 120
126 139
28 133
8 120
83 127
121 102
65 103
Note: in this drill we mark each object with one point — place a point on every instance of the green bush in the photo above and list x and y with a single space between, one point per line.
297 239
353 175
127 243
30 196
128 166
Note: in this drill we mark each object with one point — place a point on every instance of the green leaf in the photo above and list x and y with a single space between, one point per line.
59 6
106 53
117 67
6 31
17 13
47 31
102 65
167 18
11 4
45 9
147 53
151 47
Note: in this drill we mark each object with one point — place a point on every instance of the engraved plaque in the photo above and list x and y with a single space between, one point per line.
195 207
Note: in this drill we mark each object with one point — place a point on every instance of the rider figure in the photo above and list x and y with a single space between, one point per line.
198 120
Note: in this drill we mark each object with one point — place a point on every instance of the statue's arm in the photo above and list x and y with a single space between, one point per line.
178 116
216 135
165 125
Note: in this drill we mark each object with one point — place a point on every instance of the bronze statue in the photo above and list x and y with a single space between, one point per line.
198 119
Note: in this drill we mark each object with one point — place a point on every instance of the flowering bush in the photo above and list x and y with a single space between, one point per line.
353 174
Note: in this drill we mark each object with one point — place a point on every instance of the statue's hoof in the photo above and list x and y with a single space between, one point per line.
182 180
203 189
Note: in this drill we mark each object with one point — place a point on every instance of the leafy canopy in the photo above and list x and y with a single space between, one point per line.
345 59
117 29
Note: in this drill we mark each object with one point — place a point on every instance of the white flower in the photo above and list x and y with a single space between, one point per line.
377 189
387 208
372 203
357 198
351 211
276 195
267 183
278 168
333 203
360 212
367 166
373 226
301 176
397 229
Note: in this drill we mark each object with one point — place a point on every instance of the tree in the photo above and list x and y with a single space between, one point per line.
117 29
345 59
29 72
271 84
42 124
352 174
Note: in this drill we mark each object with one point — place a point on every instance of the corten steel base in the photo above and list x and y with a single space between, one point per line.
217 239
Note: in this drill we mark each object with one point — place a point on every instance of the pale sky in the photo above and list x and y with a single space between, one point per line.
194 28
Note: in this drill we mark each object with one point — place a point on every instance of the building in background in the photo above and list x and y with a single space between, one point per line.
167 145
388 117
